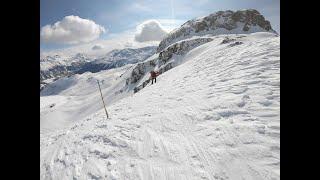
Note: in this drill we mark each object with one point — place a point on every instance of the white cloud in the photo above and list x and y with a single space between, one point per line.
71 30
150 30
97 47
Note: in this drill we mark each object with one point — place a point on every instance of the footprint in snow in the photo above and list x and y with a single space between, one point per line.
213 117
103 126
239 91
100 154
265 103
229 113
241 104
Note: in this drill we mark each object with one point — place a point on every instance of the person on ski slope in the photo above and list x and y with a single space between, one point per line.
153 76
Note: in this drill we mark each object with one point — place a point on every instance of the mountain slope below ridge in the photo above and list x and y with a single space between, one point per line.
216 116
114 85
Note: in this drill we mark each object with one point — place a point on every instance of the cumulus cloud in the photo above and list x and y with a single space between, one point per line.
150 30
71 30
97 47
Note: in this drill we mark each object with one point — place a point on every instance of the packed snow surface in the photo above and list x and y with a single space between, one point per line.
215 116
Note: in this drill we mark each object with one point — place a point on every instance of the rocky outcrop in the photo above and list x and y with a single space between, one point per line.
221 22
180 48
140 70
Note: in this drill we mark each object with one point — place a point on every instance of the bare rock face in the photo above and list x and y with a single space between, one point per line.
140 70
180 48
221 22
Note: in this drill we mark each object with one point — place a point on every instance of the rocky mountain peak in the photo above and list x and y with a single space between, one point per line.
221 22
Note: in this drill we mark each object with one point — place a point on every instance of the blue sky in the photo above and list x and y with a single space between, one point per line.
117 16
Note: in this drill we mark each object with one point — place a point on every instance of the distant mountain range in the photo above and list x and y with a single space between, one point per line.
54 67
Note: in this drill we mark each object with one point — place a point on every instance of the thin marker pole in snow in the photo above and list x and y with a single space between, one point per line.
103 100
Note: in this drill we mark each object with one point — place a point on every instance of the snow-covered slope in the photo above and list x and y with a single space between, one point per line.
215 116
71 99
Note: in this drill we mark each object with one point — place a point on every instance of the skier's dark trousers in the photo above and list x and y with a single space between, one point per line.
155 80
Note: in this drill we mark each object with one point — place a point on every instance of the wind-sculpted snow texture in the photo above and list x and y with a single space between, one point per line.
215 116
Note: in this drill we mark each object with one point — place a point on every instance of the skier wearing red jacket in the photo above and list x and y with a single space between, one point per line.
154 76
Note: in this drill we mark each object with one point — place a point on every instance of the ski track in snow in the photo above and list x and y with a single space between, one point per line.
215 117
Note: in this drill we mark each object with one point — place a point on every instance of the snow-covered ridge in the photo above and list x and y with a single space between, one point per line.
172 56
221 22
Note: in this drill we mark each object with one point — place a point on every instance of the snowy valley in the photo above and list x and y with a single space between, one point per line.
213 114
